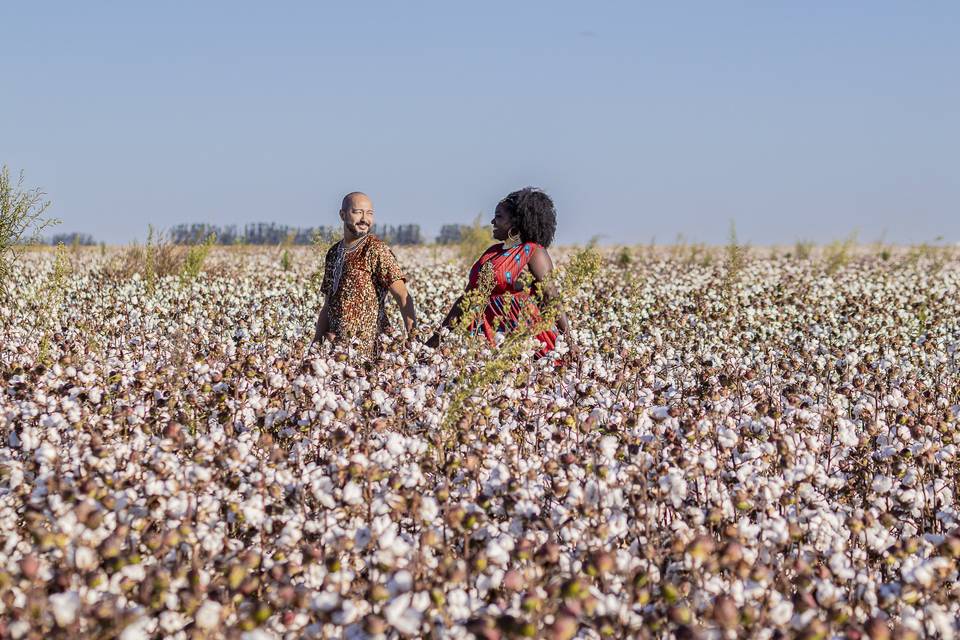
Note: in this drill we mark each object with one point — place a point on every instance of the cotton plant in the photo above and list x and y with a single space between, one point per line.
770 454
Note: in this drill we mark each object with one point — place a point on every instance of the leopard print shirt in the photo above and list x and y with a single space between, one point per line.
355 285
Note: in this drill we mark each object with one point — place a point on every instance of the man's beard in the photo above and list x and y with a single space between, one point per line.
357 232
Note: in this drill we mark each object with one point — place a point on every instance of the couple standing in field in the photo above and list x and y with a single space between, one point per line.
361 269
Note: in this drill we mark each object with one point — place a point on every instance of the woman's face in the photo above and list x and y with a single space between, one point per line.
502 223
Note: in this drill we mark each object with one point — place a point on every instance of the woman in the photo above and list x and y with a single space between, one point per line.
524 222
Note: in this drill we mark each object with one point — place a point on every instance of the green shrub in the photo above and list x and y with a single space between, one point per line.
474 240
196 256
803 249
21 219
54 291
158 258
838 253
735 261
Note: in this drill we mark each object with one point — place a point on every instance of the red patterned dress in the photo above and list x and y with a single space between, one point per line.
511 305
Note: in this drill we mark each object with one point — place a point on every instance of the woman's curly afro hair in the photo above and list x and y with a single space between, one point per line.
533 214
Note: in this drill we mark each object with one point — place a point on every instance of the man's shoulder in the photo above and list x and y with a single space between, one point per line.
332 251
376 241
376 246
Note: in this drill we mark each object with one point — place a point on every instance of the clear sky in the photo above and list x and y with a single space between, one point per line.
798 120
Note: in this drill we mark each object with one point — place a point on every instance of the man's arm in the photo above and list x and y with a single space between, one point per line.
323 327
405 301
323 319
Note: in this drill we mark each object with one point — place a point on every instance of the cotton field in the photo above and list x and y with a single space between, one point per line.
763 447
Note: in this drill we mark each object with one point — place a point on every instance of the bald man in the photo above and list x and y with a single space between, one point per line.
358 273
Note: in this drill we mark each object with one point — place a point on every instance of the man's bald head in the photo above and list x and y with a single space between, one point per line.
356 200
356 211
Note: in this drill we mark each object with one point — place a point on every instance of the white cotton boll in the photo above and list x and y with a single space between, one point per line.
747 530
923 576
617 525
942 623
840 566
608 446
826 593
15 479
489 581
398 547
253 512
395 444
727 438
172 621
708 461
199 473
362 537
401 616
277 380
347 614
212 543
19 629
400 582
291 534
674 485
352 493
881 484
85 558
64 607
420 601
140 629
45 454
322 488
776 531
429 509
258 634
497 554
781 613
325 601
135 572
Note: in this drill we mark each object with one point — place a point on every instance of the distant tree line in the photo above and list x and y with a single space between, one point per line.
269 233
451 233
73 239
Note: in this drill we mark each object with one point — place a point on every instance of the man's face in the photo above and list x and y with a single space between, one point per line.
357 216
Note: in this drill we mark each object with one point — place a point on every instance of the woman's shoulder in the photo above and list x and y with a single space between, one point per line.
532 247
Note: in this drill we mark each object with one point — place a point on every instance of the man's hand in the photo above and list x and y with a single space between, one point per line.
322 330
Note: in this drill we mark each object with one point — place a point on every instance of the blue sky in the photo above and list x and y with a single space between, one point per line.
797 120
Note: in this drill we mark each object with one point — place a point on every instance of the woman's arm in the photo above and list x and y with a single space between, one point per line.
541 265
455 313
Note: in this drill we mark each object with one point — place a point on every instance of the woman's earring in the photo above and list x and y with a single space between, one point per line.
513 239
